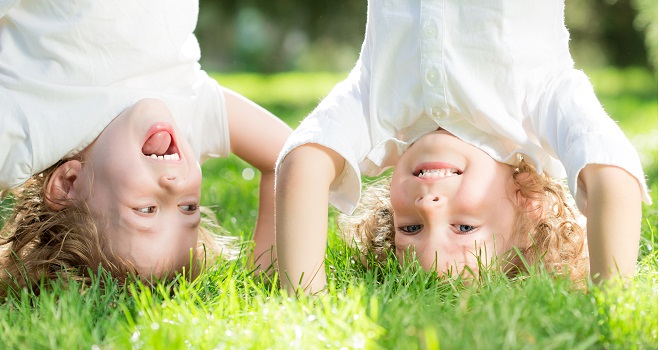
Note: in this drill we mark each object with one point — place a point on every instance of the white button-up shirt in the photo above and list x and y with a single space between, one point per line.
496 73
68 68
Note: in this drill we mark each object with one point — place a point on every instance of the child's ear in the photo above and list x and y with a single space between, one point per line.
532 206
60 187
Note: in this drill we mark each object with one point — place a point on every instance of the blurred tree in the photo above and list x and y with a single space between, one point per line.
277 35
647 22
603 33
281 35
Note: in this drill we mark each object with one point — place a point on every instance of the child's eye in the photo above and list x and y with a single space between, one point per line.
146 210
411 229
189 207
461 228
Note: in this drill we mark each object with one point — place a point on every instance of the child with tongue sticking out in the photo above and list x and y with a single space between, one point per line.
106 116
477 106
160 145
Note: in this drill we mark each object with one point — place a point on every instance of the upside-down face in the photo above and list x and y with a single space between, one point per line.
144 186
453 204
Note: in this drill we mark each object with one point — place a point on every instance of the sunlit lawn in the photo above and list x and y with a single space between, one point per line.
392 307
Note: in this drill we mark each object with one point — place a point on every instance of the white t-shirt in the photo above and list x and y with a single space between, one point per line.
67 69
497 74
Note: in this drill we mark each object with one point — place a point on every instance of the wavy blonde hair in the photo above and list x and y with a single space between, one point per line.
546 229
38 243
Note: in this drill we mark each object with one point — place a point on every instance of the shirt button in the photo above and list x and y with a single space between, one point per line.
432 75
436 111
430 31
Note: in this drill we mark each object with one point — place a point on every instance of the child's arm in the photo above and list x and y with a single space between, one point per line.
571 120
613 220
257 137
303 183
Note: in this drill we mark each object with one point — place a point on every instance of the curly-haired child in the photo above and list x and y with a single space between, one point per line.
106 116
475 104
546 228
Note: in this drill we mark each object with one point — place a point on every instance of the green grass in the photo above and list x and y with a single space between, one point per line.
394 307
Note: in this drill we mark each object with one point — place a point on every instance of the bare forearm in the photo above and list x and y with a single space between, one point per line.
302 216
257 137
613 220
264 231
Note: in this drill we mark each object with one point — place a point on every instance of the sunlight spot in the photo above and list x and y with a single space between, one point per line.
359 342
135 336
248 174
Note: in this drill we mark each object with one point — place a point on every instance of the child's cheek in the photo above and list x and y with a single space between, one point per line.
404 246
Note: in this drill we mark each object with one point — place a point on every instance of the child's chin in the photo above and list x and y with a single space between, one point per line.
159 274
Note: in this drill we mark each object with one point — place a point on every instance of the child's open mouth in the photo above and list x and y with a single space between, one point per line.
436 171
160 143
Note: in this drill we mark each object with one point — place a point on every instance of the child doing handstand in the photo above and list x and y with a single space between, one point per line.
476 105
106 115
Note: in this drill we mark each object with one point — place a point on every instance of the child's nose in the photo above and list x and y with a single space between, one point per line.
171 183
430 202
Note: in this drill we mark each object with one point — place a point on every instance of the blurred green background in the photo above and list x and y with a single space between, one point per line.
300 35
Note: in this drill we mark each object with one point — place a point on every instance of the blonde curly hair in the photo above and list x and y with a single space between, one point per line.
38 243
547 231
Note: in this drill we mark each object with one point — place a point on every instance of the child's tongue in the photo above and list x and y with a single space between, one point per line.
157 144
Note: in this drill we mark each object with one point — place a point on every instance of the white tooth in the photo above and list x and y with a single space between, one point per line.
175 156
438 173
167 157
154 156
160 157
